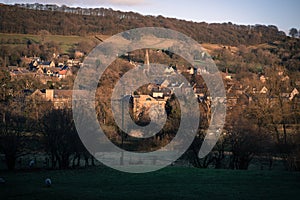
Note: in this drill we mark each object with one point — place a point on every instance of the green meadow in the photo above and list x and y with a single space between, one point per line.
168 183
66 43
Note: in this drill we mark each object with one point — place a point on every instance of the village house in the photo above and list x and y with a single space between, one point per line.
200 92
15 71
262 79
52 71
26 60
73 62
35 96
60 99
78 54
143 103
190 70
160 92
46 64
202 70
33 65
263 90
293 94
169 71
64 73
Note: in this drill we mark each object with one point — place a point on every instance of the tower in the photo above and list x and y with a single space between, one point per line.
147 62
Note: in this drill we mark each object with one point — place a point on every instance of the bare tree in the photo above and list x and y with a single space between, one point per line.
60 137
13 142
274 112
43 34
246 141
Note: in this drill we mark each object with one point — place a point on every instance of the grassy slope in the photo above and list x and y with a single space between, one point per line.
169 183
66 42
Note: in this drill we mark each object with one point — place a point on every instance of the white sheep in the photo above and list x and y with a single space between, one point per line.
48 182
2 180
31 163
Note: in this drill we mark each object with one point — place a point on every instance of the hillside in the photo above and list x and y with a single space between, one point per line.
79 21
29 29
66 43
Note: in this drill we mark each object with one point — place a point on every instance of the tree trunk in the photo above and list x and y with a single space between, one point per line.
10 161
65 161
78 161
284 133
270 163
232 162
93 161
243 163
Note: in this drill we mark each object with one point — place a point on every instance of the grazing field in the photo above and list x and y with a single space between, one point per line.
66 43
169 183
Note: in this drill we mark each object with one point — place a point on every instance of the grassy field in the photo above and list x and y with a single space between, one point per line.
169 183
66 42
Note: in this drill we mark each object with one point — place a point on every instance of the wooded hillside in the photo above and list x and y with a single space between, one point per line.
79 21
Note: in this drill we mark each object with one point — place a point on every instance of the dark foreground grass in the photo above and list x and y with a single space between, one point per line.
169 183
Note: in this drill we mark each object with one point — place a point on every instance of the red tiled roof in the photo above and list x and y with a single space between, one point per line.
62 72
